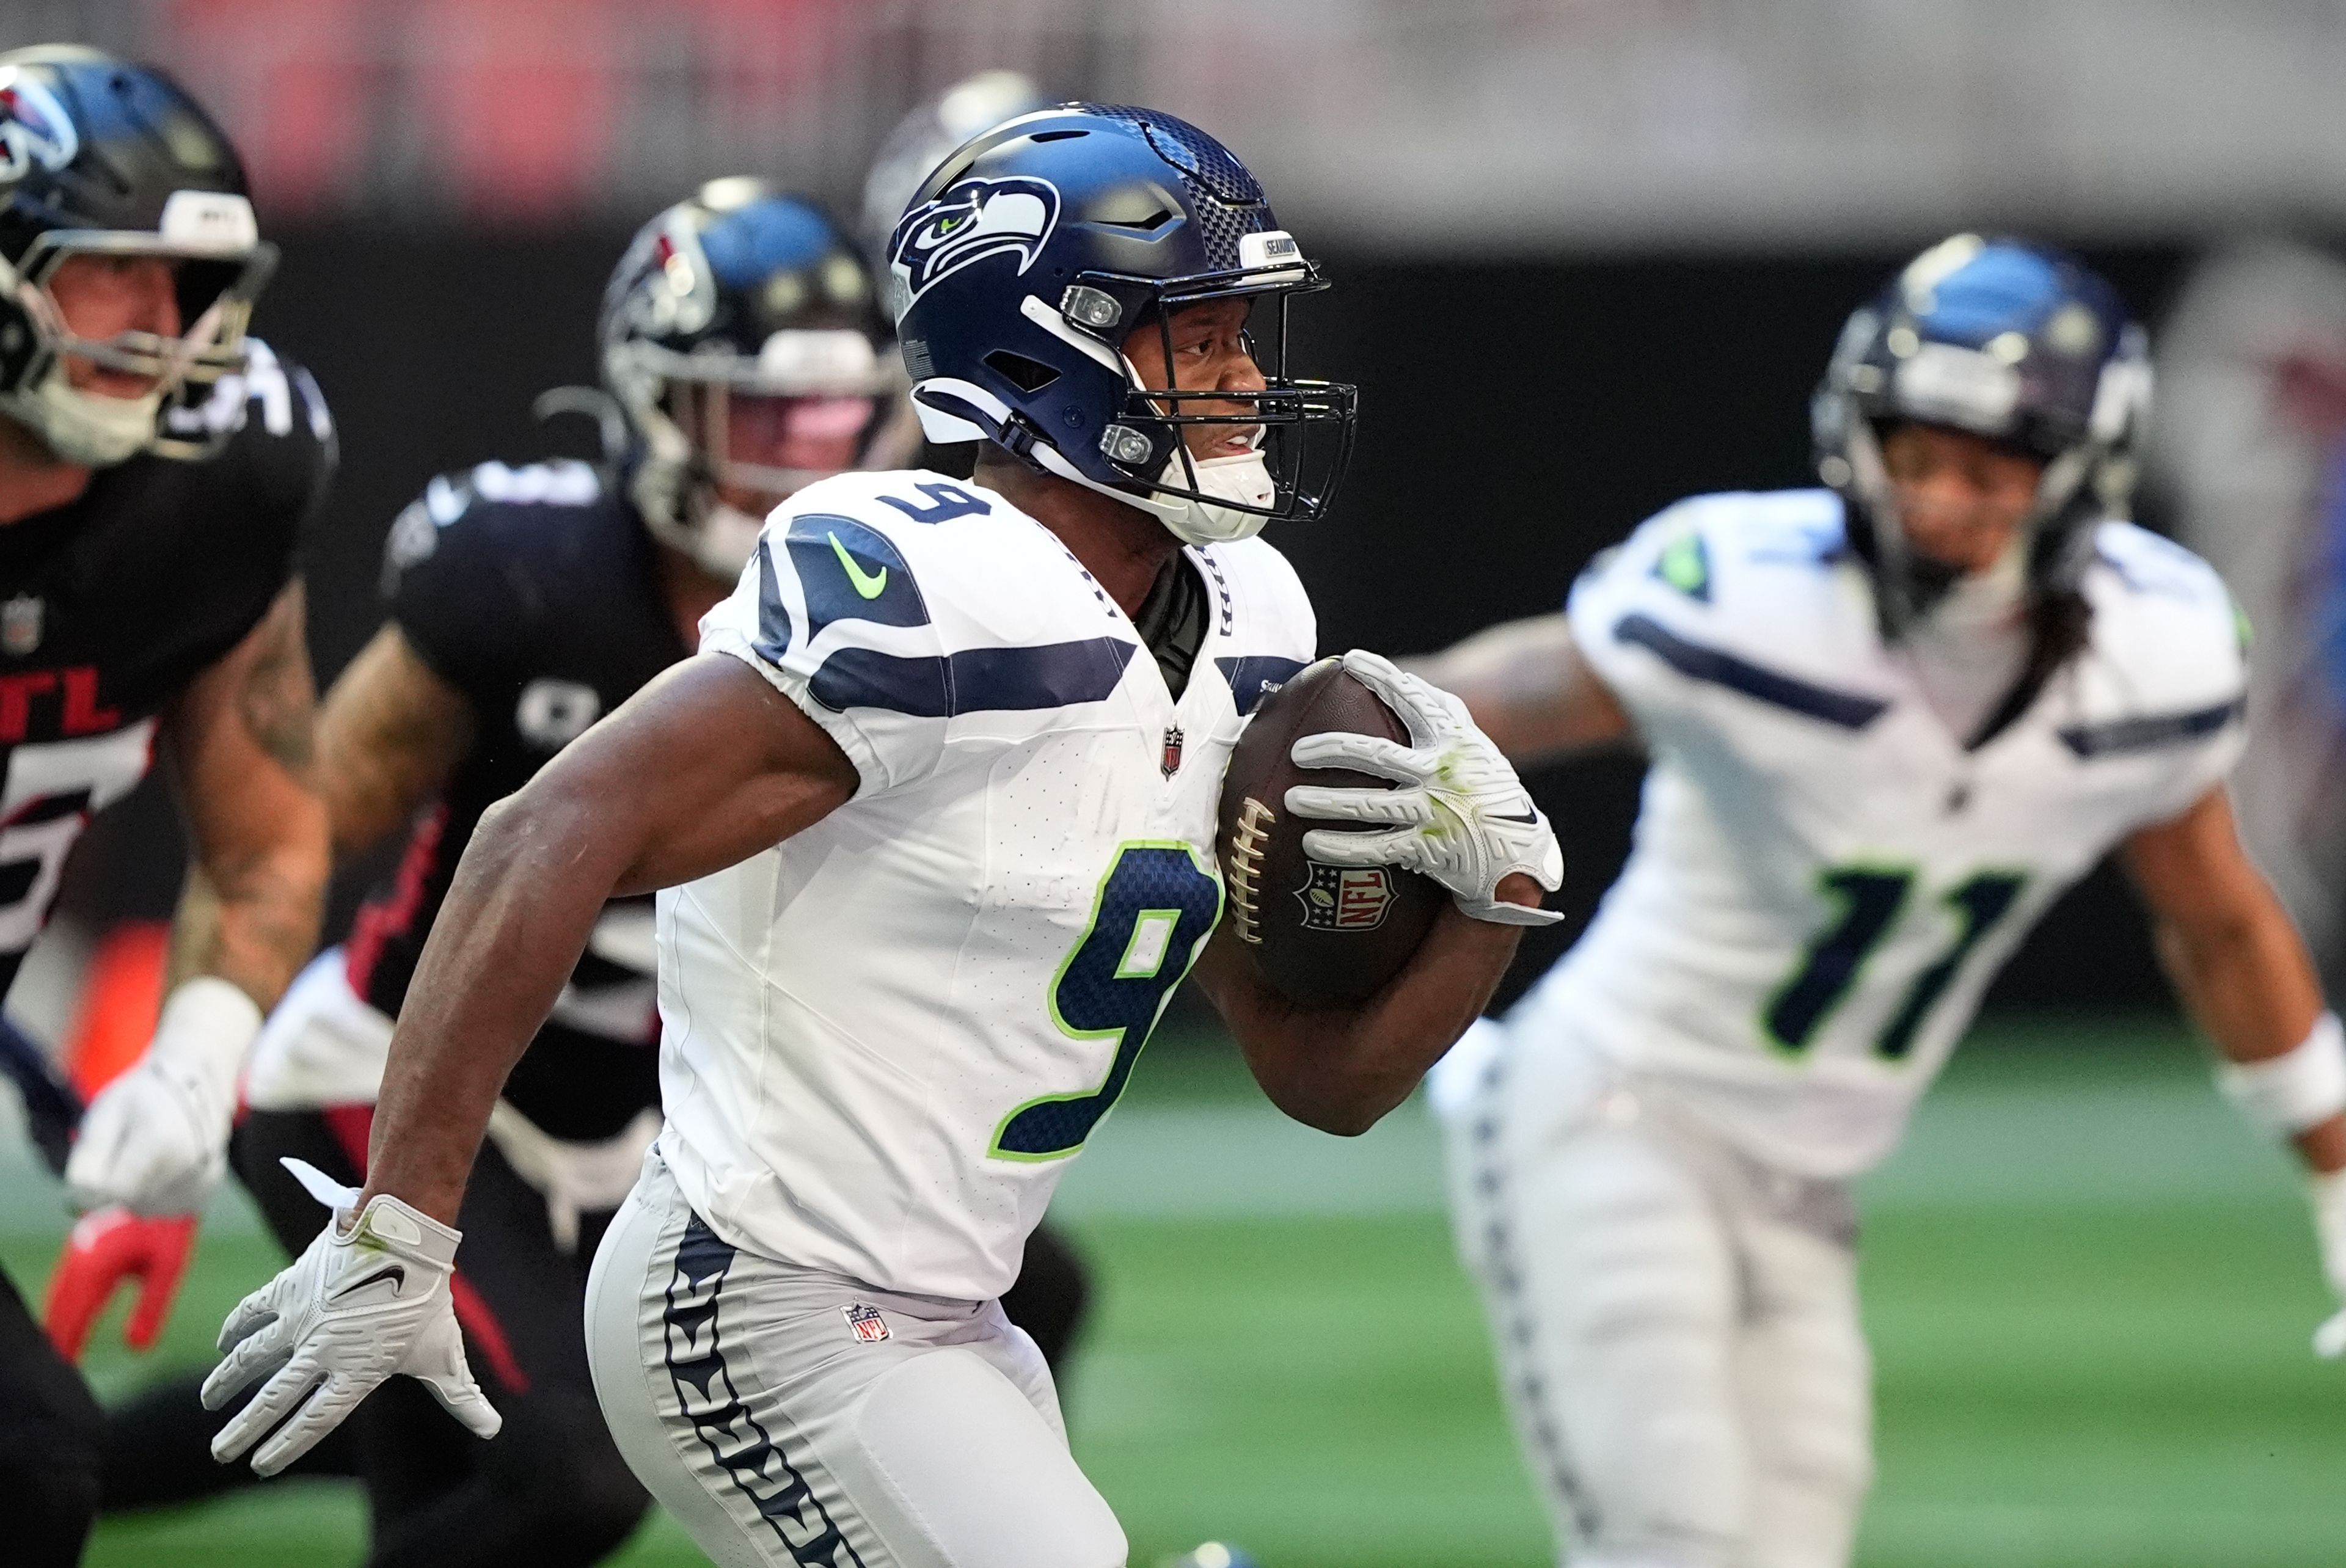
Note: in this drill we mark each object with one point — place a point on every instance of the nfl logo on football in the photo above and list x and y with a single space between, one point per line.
865 1323
1345 898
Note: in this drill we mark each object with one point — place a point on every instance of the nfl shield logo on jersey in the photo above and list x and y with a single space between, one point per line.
865 1323
20 625
1171 760
1345 898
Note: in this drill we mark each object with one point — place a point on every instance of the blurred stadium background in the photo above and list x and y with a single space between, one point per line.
1590 257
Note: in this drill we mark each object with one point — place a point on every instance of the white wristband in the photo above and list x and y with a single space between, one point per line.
2301 1088
208 1026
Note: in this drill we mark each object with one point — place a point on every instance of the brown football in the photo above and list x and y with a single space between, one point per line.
1320 935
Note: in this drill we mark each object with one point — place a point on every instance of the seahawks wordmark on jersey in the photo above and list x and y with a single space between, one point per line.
113 603
1824 878
885 1036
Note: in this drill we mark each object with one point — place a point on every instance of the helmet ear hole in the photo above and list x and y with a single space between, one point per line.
1029 376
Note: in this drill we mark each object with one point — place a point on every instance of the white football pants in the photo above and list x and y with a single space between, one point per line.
795 1419
1676 1327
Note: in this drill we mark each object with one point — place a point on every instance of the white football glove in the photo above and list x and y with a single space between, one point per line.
366 1300
155 1140
1460 815
2329 1194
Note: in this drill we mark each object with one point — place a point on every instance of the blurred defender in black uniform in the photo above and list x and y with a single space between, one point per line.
156 471
745 355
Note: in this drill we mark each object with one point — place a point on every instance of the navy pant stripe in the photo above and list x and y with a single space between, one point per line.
734 1438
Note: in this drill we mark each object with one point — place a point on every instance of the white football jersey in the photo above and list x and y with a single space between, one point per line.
1824 879
885 1038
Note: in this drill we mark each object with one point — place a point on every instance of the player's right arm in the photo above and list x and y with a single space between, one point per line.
1531 689
390 733
705 766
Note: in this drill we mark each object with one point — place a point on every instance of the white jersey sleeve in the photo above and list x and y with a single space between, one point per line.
1717 606
830 611
1619 585
2169 667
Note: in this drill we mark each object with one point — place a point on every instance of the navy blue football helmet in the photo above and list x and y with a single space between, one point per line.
101 157
928 135
2006 340
740 292
1031 254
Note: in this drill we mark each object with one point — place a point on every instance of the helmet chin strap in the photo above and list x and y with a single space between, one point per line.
1242 477
81 427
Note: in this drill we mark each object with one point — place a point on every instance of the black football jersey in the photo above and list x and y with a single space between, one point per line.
112 603
536 591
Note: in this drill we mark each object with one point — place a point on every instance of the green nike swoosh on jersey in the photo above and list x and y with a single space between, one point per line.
870 585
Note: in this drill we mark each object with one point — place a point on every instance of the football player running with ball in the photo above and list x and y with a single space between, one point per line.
932 858
1890 721
156 472
746 353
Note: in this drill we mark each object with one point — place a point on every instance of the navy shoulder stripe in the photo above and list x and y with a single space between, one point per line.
2147 732
850 571
1696 662
974 681
1253 676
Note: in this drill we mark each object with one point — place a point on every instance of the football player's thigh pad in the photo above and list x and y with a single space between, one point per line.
979 1469
1629 1285
1807 1383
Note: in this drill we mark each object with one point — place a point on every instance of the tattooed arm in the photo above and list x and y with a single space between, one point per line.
237 746
390 732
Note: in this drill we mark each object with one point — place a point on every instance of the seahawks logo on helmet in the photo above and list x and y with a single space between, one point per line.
34 127
969 223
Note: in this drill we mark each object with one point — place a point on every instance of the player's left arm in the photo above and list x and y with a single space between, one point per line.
1342 1069
1456 813
237 747
2236 959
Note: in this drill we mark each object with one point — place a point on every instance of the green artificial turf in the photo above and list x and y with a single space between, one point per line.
2089 1290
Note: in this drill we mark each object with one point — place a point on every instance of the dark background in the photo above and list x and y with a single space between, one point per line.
1517 418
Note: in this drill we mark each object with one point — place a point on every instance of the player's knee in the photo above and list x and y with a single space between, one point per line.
555 1462
1821 1467
1823 1437
1830 1453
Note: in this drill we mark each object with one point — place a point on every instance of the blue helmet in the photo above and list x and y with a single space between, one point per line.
1031 254
926 135
740 290
2014 342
